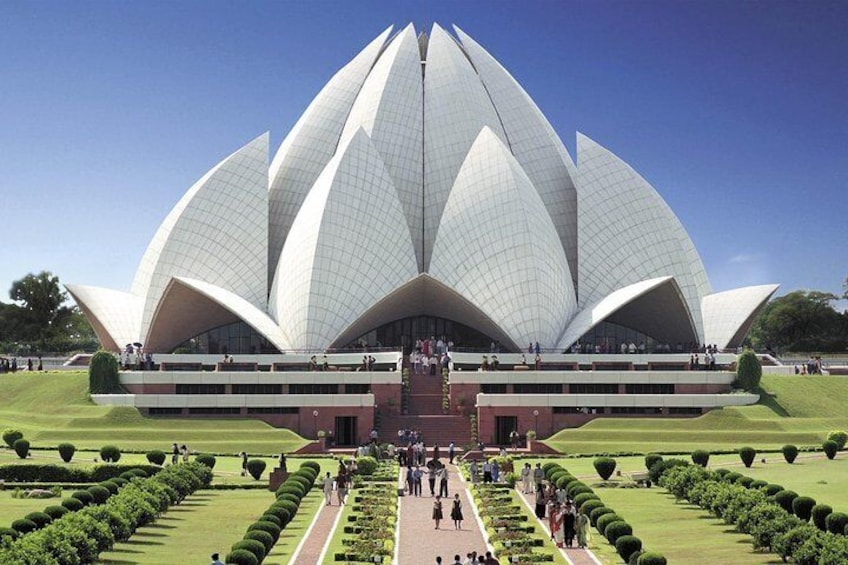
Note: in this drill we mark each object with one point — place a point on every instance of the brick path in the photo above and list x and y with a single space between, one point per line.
575 556
420 543
318 535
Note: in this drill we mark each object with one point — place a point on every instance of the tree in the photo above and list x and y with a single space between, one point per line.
748 371
801 321
40 299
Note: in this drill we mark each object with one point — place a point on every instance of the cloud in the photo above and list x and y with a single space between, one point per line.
743 258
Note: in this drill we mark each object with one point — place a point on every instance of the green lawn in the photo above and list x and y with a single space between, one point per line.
798 410
53 407
12 509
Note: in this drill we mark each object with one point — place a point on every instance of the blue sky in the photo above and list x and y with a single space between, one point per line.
736 112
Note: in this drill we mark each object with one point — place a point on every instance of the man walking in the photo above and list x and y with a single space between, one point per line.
451 452
538 475
443 481
328 489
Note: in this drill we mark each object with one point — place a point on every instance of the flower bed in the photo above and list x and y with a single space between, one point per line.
369 535
507 527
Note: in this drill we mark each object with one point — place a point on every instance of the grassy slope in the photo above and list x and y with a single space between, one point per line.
799 410
54 407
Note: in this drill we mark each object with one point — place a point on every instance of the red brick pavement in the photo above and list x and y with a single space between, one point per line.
319 535
575 556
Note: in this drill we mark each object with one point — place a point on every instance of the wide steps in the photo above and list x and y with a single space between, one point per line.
436 429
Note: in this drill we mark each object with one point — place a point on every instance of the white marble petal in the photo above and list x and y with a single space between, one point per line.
728 315
114 315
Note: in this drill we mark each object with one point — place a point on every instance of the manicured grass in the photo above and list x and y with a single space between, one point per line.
53 407
798 410
336 545
12 509
296 529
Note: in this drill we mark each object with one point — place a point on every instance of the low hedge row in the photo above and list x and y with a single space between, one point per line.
609 524
77 538
48 473
777 519
263 534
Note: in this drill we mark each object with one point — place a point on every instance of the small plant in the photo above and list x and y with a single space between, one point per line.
841 438
531 435
256 467
652 558
605 466
830 448
790 452
66 451
748 371
366 465
156 457
652 459
785 498
110 454
103 374
10 436
21 447
627 545
747 455
803 507
700 457
819 513
835 522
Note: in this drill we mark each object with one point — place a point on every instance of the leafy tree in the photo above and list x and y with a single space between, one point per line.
801 321
103 374
748 370
40 300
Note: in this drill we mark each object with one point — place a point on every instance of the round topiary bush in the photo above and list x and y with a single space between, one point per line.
287 504
841 438
284 514
564 479
11 435
301 481
731 477
295 489
757 485
785 498
748 371
835 522
627 545
652 459
40 519
576 490
206 459
366 465
56 512
587 507
772 489
111 486
584 497
596 514
615 530
819 514
747 455
266 539
701 457
73 504
66 451
721 472
312 465
83 496
634 557
268 517
802 507
651 558
21 447
156 457
269 527
606 520
110 454
241 557
8 533
290 497
830 448
100 493
745 481
256 467
118 481
605 466
24 526
257 548
103 374
790 452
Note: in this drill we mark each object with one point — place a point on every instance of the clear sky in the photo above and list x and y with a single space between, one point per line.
736 112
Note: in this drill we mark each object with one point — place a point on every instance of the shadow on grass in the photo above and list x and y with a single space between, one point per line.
769 400
143 542
117 562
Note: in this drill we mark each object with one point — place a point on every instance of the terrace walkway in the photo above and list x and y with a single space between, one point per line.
311 549
420 543
575 556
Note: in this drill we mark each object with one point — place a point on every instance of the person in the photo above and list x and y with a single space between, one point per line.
456 514
513 439
540 502
442 474
431 478
439 560
451 452
437 511
470 558
538 475
556 523
243 455
175 454
216 559
416 480
283 462
582 524
496 472
456 560
487 472
472 470
538 362
526 478
184 452
568 523
490 559
410 480
328 489
341 487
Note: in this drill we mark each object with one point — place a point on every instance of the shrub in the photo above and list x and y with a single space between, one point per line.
587 507
819 513
574 490
772 489
786 544
747 455
564 479
652 459
757 485
56 512
156 457
256 467
257 548
242 557
627 545
785 498
100 493
269 527
583 497
21 447
596 514
700 457
266 539
290 497
651 558
287 504
830 448
83 496
268 517
11 435
302 481
605 466
662 466
24 526
790 452
111 486
103 374
634 557
73 504
606 520
8 533
841 438
110 454
365 465
803 507
615 530
66 451
312 465
748 371
745 481
835 522
282 513
295 489
40 519
205 459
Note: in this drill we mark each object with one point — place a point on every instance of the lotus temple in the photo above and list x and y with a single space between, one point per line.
422 193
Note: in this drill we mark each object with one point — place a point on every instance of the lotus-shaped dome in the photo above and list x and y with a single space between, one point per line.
421 181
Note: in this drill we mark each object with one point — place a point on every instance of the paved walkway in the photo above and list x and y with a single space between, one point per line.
575 556
420 543
313 546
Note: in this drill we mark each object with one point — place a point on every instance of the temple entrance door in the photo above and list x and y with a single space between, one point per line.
346 431
504 425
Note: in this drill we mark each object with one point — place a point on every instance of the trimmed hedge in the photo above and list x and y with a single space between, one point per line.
605 520
615 530
835 522
747 455
802 507
652 459
40 519
66 451
785 498
652 558
241 557
21 447
110 454
790 452
365 465
11 435
819 514
701 457
830 448
205 459
605 466
24 526
156 457
627 545
840 437
256 467
49 473
257 548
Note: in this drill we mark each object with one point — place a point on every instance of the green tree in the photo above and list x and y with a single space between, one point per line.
801 321
748 370
40 299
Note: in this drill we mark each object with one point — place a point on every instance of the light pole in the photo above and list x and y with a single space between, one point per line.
315 422
536 424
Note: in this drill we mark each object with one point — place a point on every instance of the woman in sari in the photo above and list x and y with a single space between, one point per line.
568 523
557 523
540 502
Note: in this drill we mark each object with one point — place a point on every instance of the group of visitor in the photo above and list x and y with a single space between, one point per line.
181 453
471 558
134 357
813 366
564 521
10 365
341 483
709 363
315 366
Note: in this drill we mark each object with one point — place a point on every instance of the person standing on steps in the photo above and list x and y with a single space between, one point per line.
437 511
456 514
